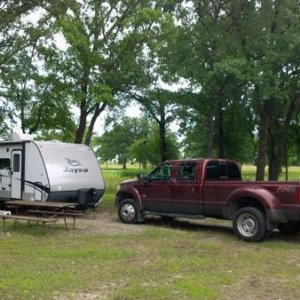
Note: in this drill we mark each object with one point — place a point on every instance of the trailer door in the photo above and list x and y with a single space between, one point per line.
16 174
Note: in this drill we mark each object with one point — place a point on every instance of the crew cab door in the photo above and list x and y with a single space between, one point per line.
155 193
185 191
220 180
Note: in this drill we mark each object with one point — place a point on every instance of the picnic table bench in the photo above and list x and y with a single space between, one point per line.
26 218
54 214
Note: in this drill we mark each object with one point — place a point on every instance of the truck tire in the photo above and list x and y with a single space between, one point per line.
249 224
289 228
128 211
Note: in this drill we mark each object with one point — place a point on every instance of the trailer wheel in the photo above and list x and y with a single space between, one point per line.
128 212
289 228
249 224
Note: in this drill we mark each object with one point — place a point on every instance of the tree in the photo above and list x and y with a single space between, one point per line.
11 12
147 150
119 136
29 96
211 58
275 94
158 105
106 43
235 53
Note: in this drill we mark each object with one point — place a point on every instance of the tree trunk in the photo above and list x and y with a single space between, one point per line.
83 107
210 138
265 119
36 126
281 143
82 124
162 133
98 110
272 156
286 163
163 143
124 161
221 131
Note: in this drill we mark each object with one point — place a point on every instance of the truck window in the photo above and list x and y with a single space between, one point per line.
4 163
234 172
216 170
187 171
212 170
161 173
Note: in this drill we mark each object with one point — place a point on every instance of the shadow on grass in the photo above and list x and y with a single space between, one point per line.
189 225
279 237
222 227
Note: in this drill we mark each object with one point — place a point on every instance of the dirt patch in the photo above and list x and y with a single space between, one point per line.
252 288
102 223
109 223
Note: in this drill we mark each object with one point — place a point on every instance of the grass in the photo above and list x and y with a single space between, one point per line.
181 260
113 175
248 173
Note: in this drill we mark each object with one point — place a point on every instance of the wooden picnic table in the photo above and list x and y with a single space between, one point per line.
45 209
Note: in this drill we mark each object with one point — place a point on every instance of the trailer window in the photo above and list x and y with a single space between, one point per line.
16 163
4 163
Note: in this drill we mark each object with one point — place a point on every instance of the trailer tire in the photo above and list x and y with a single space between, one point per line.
289 228
249 224
128 211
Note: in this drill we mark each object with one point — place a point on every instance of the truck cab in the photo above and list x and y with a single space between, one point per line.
177 187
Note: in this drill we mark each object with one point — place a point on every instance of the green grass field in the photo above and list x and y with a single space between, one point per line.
104 259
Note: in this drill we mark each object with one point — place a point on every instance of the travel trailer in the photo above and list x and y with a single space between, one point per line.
49 171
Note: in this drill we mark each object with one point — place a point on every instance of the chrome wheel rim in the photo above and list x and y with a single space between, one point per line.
127 212
247 225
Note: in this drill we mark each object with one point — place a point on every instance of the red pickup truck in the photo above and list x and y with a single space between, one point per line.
200 188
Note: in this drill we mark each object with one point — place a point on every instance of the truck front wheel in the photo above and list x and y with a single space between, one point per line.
128 212
249 224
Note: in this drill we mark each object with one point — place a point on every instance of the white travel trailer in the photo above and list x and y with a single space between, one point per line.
49 171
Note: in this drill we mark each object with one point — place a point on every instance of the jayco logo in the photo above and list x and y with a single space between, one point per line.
74 166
